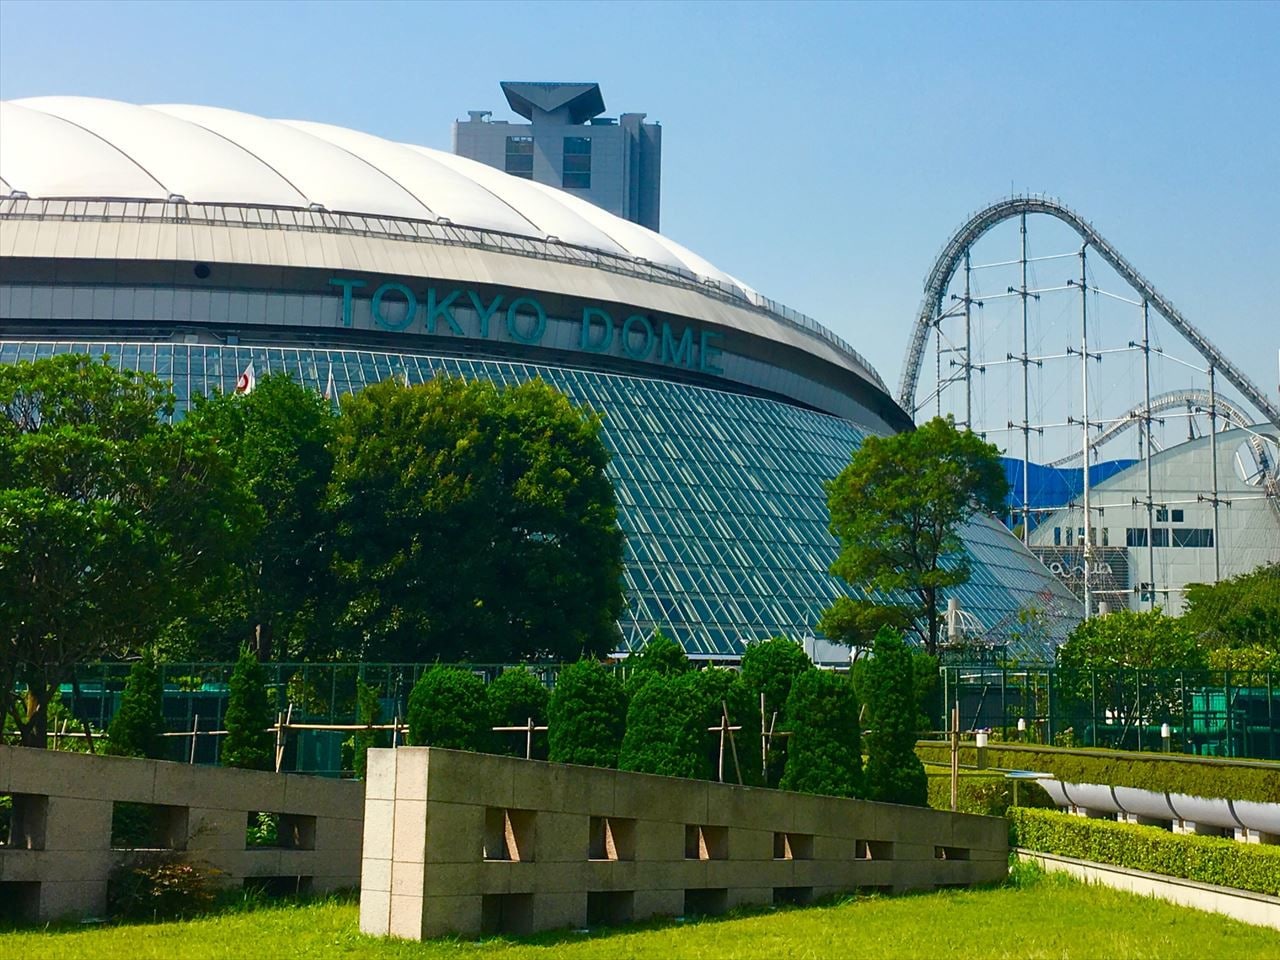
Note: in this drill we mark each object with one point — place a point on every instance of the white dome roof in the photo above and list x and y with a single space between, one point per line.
82 147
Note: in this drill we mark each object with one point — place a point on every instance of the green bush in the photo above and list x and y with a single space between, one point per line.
137 730
1197 777
725 690
771 667
667 727
1203 859
160 886
988 796
248 743
586 716
514 697
894 772
368 710
448 708
825 750
660 655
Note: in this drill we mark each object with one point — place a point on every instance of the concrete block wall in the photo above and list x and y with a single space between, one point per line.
58 858
469 844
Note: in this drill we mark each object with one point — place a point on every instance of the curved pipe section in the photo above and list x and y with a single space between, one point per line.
1165 401
1214 812
948 261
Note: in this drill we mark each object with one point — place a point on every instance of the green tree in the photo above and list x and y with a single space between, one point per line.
894 773
897 510
474 522
825 752
137 729
515 697
368 710
110 519
587 715
448 708
724 691
1243 611
250 713
660 655
279 437
666 731
770 667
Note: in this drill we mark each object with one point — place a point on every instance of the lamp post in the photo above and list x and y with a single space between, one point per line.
1022 729
1165 735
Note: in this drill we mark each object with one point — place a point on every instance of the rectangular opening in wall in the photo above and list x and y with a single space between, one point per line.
612 838
950 853
792 896
702 842
873 850
278 887
706 903
148 826
509 913
508 834
19 901
793 846
610 908
279 831
22 820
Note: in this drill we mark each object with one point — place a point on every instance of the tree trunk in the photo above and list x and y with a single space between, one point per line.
931 610
34 730
262 641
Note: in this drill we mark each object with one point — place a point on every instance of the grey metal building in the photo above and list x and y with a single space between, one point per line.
614 163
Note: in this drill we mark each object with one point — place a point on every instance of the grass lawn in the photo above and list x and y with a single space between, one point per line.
1043 917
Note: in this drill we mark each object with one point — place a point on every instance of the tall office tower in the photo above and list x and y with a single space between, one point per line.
614 163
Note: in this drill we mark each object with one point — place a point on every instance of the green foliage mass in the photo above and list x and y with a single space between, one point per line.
1196 777
1213 860
448 708
586 716
660 655
137 730
897 510
1146 639
1253 658
824 754
280 438
368 710
248 743
894 773
989 795
94 477
666 729
771 667
474 523
1243 611
515 696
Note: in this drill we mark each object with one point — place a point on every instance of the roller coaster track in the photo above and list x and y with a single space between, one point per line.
948 262
1165 401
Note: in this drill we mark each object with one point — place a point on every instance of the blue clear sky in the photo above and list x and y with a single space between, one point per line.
821 152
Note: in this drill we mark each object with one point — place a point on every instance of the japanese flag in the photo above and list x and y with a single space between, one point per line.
247 380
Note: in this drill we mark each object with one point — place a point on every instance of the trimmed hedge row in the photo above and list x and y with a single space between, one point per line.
1198 778
988 796
1213 860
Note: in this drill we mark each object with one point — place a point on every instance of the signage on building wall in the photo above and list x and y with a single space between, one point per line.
397 307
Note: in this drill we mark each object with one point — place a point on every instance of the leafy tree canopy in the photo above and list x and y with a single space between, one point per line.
660 655
1147 639
474 523
137 729
1243 611
897 510
279 438
110 519
586 716
770 667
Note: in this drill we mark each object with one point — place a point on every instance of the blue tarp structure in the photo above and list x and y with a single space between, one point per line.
1051 486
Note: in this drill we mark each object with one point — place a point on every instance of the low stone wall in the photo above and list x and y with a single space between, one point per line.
58 858
470 843
1255 908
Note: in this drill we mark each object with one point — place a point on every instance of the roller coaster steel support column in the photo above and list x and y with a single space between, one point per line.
1026 394
1213 448
968 347
1146 419
945 266
1084 419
